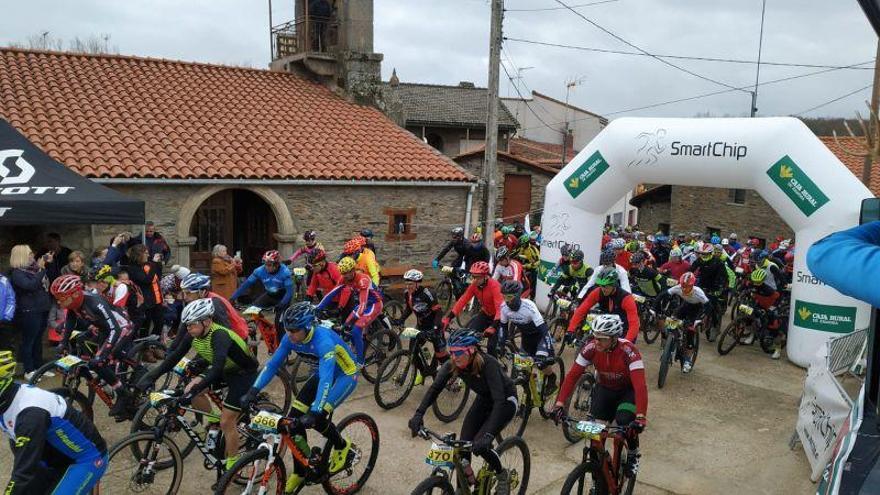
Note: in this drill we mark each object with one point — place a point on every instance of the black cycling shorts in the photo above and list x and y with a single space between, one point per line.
237 384
537 344
617 405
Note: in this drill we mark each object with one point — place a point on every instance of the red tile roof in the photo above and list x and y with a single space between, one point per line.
854 163
131 117
514 158
536 151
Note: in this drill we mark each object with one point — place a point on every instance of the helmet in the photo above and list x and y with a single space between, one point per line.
637 258
758 276
784 244
310 235
715 240
607 325
66 286
476 237
480 268
346 265
523 239
717 248
565 250
7 369
705 249
195 282
272 256
754 242
360 240
675 252
351 246
367 234
104 272
169 283
732 236
725 242
760 256
463 337
502 252
608 276
618 243
318 256
198 310
458 232
606 257
413 276
300 316
687 280
577 255
511 287
507 229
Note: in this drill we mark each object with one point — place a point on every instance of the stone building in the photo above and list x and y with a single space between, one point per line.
672 208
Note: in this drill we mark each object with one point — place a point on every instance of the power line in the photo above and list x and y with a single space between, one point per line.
834 100
560 8
632 45
684 57
515 66
526 101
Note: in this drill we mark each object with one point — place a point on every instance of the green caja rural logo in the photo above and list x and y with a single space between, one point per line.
586 174
825 318
797 185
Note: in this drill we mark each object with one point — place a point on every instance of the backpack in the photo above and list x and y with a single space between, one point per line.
135 296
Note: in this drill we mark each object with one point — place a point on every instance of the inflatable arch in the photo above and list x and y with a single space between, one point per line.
778 157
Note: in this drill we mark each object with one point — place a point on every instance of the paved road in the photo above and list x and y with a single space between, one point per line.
722 429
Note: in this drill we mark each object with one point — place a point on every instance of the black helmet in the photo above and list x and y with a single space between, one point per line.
309 235
502 252
458 232
367 233
565 250
637 258
511 287
577 255
606 257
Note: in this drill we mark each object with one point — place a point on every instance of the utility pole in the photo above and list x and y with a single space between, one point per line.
568 86
872 119
754 109
490 164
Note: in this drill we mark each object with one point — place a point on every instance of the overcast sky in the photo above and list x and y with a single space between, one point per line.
446 41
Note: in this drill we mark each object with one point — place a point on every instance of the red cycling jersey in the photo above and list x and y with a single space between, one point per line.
620 368
489 297
325 280
620 303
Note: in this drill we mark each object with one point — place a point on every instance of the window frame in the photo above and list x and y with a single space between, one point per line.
732 194
390 234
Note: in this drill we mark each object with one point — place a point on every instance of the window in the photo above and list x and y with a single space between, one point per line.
632 218
663 227
618 219
400 224
736 196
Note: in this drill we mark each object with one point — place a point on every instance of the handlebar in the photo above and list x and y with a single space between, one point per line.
447 439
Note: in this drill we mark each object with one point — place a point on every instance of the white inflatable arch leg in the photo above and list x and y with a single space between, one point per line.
780 158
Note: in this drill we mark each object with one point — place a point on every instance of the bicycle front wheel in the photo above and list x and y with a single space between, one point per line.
378 346
651 330
550 391
451 401
147 418
435 485
445 295
730 337
401 373
515 458
253 473
666 359
361 430
578 405
580 481
517 426
558 329
129 473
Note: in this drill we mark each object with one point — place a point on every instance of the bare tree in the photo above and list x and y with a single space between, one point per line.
93 44
871 145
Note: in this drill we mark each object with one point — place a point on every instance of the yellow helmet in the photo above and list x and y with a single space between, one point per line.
346 265
104 272
7 369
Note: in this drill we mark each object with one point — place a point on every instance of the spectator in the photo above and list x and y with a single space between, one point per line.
59 252
98 258
319 14
7 313
145 273
32 303
76 264
224 272
116 251
156 244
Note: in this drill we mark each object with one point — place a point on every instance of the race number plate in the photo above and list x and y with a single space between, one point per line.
672 323
266 421
639 299
157 397
446 269
440 455
671 282
563 303
252 311
739 270
409 332
299 271
68 362
180 367
590 428
523 361
746 309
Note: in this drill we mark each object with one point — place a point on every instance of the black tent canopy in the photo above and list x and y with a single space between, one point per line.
35 189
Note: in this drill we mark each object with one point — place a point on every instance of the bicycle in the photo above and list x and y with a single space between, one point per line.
581 335
671 342
717 308
405 368
258 324
749 325
559 312
74 370
648 318
264 466
600 472
451 287
533 392
448 458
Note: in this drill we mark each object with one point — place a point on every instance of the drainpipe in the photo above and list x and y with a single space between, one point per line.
467 213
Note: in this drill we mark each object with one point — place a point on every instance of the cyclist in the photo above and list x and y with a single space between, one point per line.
621 393
55 449
507 268
494 406
228 359
564 259
429 315
534 334
113 333
334 380
621 254
364 259
649 282
325 275
277 282
611 299
462 251
767 297
488 294
712 277
606 260
367 234
310 237
774 275
114 291
573 275
692 308
675 267
368 305
734 243
198 286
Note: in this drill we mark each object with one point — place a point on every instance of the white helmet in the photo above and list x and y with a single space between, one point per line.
725 242
413 275
618 243
607 326
198 310
675 252
732 236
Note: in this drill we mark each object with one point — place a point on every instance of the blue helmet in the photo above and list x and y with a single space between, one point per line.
299 316
463 337
195 282
715 240
761 255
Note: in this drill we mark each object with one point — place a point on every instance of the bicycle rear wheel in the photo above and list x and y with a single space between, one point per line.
362 432
401 373
451 401
666 359
253 473
128 472
548 397
580 481
378 346
515 458
434 485
517 426
651 330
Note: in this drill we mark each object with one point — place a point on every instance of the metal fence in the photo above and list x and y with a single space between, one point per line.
845 351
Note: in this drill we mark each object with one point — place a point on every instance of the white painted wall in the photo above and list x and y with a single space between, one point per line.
584 125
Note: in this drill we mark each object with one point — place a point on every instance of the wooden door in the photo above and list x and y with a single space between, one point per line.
212 225
517 197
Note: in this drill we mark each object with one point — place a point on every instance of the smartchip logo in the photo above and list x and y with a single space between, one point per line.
649 146
718 149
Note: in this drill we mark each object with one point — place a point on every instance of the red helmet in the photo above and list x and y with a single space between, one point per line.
272 256
351 246
754 242
480 268
706 248
66 286
789 261
687 280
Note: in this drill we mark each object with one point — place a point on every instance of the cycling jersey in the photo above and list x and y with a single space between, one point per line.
325 280
620 303
467 253
622 276
307 251
489 297
337 370
675 269
530 256
110 322
774 274
226 315
527 317
621 368
711 275
697 296
366 263
623 259
367 295
571 276
225 350
513 271
648 280
278 284
117 295
423 303
45 433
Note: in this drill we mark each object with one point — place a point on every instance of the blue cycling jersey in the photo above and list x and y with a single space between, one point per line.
335 361
274 283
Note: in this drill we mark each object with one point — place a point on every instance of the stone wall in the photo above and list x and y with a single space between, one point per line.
698 208
652 213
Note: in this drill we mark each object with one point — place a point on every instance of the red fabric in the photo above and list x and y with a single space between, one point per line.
623 259
236 322
675 270
619 369
325 280
627 306
489 296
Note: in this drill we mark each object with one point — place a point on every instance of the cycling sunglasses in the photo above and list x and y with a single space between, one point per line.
461 351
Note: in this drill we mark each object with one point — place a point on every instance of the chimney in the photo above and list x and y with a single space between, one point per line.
466 84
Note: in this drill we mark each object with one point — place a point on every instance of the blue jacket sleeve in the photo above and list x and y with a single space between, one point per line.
845 260
329 297
244 286
326 373
275 362
8 299
288 291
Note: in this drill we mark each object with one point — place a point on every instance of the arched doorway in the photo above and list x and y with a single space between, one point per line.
237 218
